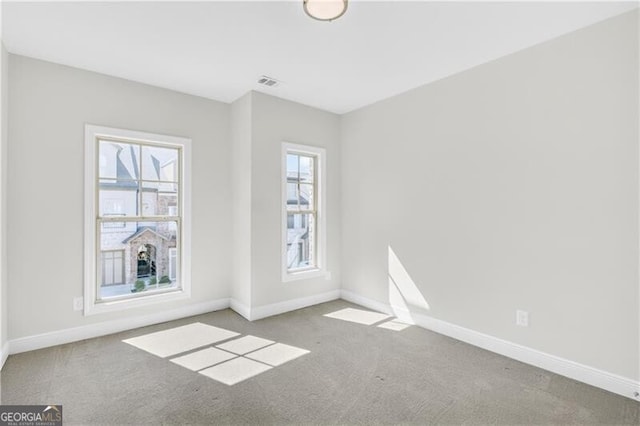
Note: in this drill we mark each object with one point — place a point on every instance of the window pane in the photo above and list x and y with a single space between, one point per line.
118 161
149 199
158 198
306 196
300 241
292 166
139 258
159 163
168 204
306 169
292 196
292 193
117 198
169 188
167 199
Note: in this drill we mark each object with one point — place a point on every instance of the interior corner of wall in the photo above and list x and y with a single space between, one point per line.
240 308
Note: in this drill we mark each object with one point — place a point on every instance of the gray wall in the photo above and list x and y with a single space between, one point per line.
273 121
513 185
49 106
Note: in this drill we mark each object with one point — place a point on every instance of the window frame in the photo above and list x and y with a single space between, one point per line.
92 247
320 268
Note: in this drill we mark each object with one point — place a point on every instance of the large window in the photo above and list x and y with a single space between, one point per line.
303 212
137 222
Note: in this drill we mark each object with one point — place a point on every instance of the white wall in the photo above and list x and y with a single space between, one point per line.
275 121
259 125
241 200
49 106
236 190
513 185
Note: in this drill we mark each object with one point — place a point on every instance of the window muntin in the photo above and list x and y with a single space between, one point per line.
137 191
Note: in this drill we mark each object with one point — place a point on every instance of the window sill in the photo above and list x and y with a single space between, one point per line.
92 308
303 275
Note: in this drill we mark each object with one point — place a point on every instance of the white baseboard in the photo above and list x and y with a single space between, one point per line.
564 367
75 334
580 372
352 297
265 311
4 354
240 308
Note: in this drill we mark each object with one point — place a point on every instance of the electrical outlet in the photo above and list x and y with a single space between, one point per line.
522 318
78 303
327 276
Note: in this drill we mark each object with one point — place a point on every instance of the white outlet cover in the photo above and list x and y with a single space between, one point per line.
522 318
78 303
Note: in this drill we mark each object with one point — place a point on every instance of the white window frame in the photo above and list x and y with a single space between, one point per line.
320 269
91 242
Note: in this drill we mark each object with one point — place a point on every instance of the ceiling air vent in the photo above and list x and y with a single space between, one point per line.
268 81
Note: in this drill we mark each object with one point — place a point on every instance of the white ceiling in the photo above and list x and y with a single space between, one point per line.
219 49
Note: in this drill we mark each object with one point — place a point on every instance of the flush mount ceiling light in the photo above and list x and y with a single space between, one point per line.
325 10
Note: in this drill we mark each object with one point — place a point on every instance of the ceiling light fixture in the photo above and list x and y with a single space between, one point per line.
325 10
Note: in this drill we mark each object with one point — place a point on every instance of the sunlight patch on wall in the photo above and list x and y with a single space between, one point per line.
403 292
396 301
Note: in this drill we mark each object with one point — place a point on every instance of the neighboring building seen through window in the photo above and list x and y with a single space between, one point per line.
112 267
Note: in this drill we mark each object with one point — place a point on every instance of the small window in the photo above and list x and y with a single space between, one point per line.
303 211
137 218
